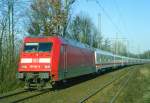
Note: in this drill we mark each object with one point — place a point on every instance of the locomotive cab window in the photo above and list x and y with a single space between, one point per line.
44 47
38 47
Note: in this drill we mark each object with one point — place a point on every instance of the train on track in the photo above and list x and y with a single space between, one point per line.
54 59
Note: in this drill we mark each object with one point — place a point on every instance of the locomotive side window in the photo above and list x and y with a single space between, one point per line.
37 47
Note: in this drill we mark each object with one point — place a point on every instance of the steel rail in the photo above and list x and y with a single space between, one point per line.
31 96
120 89
22 92
13 93
105 85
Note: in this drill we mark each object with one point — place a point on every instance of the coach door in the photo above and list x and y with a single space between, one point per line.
64 59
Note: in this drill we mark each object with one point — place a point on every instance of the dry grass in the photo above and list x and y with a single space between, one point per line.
137 88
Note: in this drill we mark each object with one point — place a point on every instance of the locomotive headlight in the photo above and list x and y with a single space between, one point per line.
26 60
23 66
44 60
46 66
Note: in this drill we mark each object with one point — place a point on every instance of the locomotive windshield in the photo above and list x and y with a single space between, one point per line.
37 47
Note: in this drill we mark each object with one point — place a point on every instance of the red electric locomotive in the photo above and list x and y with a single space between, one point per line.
52 59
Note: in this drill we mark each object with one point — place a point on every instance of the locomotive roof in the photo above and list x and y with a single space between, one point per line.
66 41
76 43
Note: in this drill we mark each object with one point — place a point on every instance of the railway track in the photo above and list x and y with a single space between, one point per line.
124 76
122 86
147 96
17 92
22 95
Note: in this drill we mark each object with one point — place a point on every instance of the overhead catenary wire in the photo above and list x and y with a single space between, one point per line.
120 15
108 16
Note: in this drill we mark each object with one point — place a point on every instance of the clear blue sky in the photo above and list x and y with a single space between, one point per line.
132 17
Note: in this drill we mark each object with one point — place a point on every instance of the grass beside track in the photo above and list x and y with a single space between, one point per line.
136 90
107 94
22 95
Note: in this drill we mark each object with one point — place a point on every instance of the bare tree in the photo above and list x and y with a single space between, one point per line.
50 17
8 51
82 29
